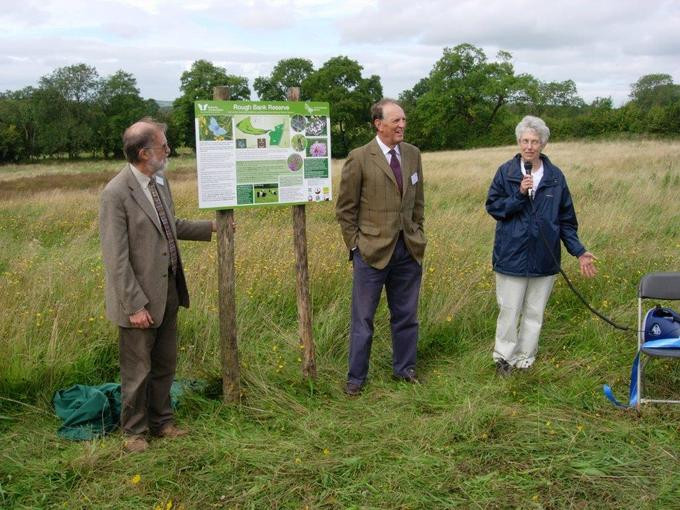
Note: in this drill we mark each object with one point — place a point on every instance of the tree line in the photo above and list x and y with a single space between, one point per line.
466 101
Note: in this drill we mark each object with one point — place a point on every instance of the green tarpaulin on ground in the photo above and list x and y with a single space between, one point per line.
90 412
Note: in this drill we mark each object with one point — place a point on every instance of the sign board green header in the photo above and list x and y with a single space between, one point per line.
261 108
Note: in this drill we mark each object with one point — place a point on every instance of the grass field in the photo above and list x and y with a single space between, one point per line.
462 439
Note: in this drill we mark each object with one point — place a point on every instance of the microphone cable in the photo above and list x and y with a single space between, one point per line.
569 283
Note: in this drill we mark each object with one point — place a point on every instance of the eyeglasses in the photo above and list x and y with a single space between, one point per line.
533 143
165 147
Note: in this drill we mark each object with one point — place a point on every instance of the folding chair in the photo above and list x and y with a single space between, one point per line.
664 285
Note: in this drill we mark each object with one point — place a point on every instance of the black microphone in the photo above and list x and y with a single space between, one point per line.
528 165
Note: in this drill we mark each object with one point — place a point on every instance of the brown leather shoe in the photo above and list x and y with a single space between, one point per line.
353 390
135 444
409 377
170 431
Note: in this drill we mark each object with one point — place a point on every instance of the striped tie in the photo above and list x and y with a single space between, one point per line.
172 246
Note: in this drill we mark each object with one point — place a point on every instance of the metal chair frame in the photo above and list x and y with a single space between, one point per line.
661 285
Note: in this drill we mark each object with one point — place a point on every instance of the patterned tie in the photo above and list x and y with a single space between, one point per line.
172 246
396 168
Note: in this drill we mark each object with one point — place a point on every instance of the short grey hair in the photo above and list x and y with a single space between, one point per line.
534 124
377 108
139 135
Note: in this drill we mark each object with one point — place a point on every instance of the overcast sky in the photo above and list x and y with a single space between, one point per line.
603 46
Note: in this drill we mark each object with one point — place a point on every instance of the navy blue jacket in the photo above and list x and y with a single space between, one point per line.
519 249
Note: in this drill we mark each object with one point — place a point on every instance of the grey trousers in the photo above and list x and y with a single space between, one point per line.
521 304
401 279
148 358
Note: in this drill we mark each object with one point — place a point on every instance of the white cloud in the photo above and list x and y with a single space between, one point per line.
603 46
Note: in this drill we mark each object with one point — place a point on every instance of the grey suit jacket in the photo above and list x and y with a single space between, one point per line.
370 210
135 249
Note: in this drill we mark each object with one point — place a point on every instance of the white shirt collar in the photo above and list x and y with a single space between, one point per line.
142 178
385 149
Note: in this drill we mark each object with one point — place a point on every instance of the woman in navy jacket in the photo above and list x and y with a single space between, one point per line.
531 202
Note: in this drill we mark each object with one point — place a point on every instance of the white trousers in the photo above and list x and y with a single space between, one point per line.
521 301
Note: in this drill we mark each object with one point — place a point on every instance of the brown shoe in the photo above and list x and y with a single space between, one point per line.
409 377
353 390
170 431
135 444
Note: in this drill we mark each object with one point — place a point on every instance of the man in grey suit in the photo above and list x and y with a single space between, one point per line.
145 282
380 208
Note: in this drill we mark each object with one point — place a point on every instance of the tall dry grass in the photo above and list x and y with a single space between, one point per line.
464 438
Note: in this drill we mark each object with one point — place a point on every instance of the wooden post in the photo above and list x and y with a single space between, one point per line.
226 275
302 279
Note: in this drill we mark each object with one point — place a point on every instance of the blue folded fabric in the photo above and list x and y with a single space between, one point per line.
634 391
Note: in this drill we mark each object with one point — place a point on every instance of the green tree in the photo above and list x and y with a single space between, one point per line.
339 82
655 90
77 83
290 72
462 100
120 105
602 103
66 109
655 102
17 125
559 94
409 98
173 132
198 83
602 118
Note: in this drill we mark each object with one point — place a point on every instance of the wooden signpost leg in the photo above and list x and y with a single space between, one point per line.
302 279
231 373
303 300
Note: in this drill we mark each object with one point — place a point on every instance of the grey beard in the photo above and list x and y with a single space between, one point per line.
160 168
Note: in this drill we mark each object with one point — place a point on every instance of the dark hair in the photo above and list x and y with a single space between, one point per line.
377 108
140 135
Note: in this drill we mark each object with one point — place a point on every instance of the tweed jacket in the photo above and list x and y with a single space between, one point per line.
370 210
135 250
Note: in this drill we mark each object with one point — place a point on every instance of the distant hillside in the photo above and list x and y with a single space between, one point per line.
164 105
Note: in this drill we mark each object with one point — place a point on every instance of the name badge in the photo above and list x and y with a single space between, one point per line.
414 178
160 180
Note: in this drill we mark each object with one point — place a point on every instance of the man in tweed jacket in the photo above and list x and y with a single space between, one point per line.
380 208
